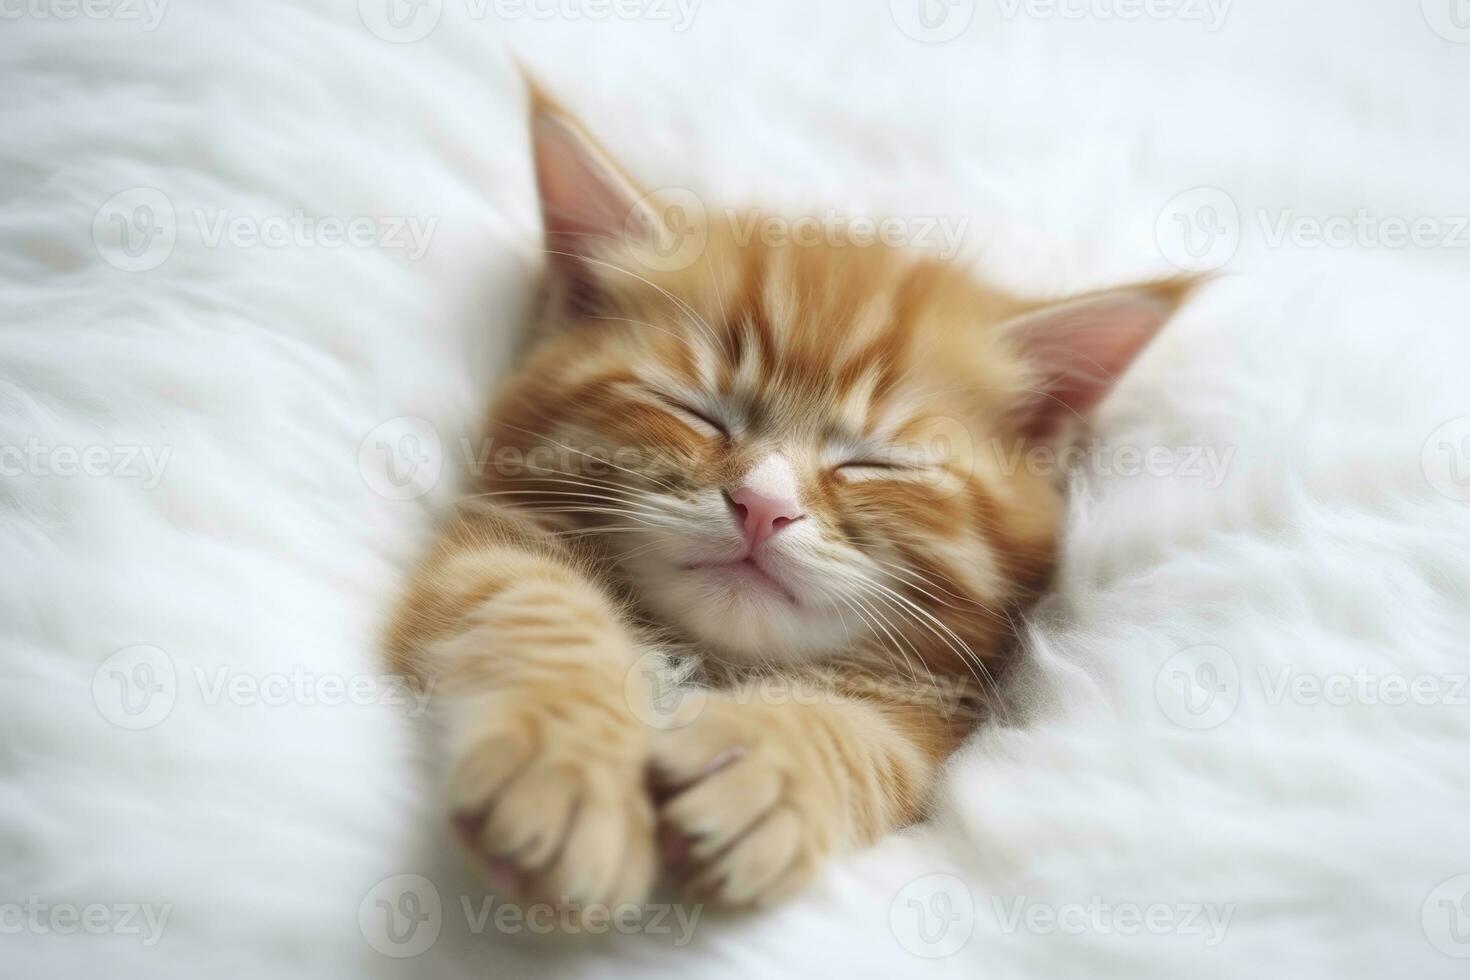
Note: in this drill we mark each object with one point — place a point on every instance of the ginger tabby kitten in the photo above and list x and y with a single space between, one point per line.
769 460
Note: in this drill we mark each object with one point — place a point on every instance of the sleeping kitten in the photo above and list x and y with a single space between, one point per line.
777 459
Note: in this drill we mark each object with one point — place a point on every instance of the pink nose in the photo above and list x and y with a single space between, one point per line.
761 516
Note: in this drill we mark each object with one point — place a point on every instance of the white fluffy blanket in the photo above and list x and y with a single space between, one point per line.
238 237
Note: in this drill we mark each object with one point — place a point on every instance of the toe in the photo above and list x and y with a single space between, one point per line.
592 860
526 822
755 862
716 811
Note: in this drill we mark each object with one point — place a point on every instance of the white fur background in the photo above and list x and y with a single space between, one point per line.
1298 834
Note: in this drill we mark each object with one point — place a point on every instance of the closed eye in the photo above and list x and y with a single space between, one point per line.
872 464
858 470
685 409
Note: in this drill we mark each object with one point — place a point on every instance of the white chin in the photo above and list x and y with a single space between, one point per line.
742 617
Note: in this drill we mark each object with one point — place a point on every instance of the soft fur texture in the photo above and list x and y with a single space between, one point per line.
781 460
1323 550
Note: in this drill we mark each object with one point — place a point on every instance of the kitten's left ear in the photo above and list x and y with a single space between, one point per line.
1078 348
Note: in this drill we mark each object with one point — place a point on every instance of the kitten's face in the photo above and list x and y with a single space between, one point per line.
796 443
789 451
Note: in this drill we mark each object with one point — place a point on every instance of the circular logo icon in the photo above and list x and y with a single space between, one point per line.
656 696
1198 688
402 458
136 687
401 916
933 916
135 231
1446 459
1445 917
667 229
1450 19
932 21
400 21
1199 230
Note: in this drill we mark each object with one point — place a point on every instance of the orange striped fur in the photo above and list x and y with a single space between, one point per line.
880 379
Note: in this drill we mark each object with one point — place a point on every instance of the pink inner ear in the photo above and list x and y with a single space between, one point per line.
584 198
1080 349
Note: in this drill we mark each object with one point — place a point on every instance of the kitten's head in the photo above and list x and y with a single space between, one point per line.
794 449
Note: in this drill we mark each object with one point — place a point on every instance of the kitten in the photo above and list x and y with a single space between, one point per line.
778 458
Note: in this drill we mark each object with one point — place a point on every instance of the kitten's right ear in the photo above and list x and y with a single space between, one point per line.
587 200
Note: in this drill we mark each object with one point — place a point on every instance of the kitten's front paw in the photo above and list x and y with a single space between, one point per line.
553 804
745 818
